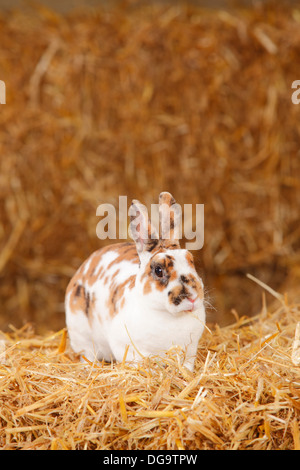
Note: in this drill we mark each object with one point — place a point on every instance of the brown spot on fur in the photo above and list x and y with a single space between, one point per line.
177 294
90 306
169 266
117 295
131 282
147 287
115 274
190 259
147 275
151 244
126 251
196 284
171 244
81 299
77 298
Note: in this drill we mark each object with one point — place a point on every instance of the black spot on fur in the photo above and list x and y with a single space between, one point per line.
169 262
151 244
183 294
87 303
78 290
172 201
173 245
164 281
113 299
176 299
129 249
81 292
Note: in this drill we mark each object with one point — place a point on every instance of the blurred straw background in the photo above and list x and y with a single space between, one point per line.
134 99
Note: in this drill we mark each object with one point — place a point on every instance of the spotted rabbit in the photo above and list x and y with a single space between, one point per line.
143 296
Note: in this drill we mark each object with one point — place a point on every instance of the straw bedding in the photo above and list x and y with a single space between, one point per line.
244 393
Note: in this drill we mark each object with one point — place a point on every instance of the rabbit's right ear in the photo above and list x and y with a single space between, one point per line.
141 230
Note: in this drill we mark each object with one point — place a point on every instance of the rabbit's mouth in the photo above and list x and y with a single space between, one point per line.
185 305
192 304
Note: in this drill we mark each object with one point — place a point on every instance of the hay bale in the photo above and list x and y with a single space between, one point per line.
244 393
132 101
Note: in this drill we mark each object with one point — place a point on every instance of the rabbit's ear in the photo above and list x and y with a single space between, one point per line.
141 230
170 220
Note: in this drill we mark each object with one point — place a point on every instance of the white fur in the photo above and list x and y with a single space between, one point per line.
147 324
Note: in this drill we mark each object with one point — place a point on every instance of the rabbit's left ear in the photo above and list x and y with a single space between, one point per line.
170 221
141 230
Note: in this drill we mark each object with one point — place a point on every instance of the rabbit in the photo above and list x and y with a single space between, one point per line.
142 297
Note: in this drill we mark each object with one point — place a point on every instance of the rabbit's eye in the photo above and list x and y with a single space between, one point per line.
158 271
